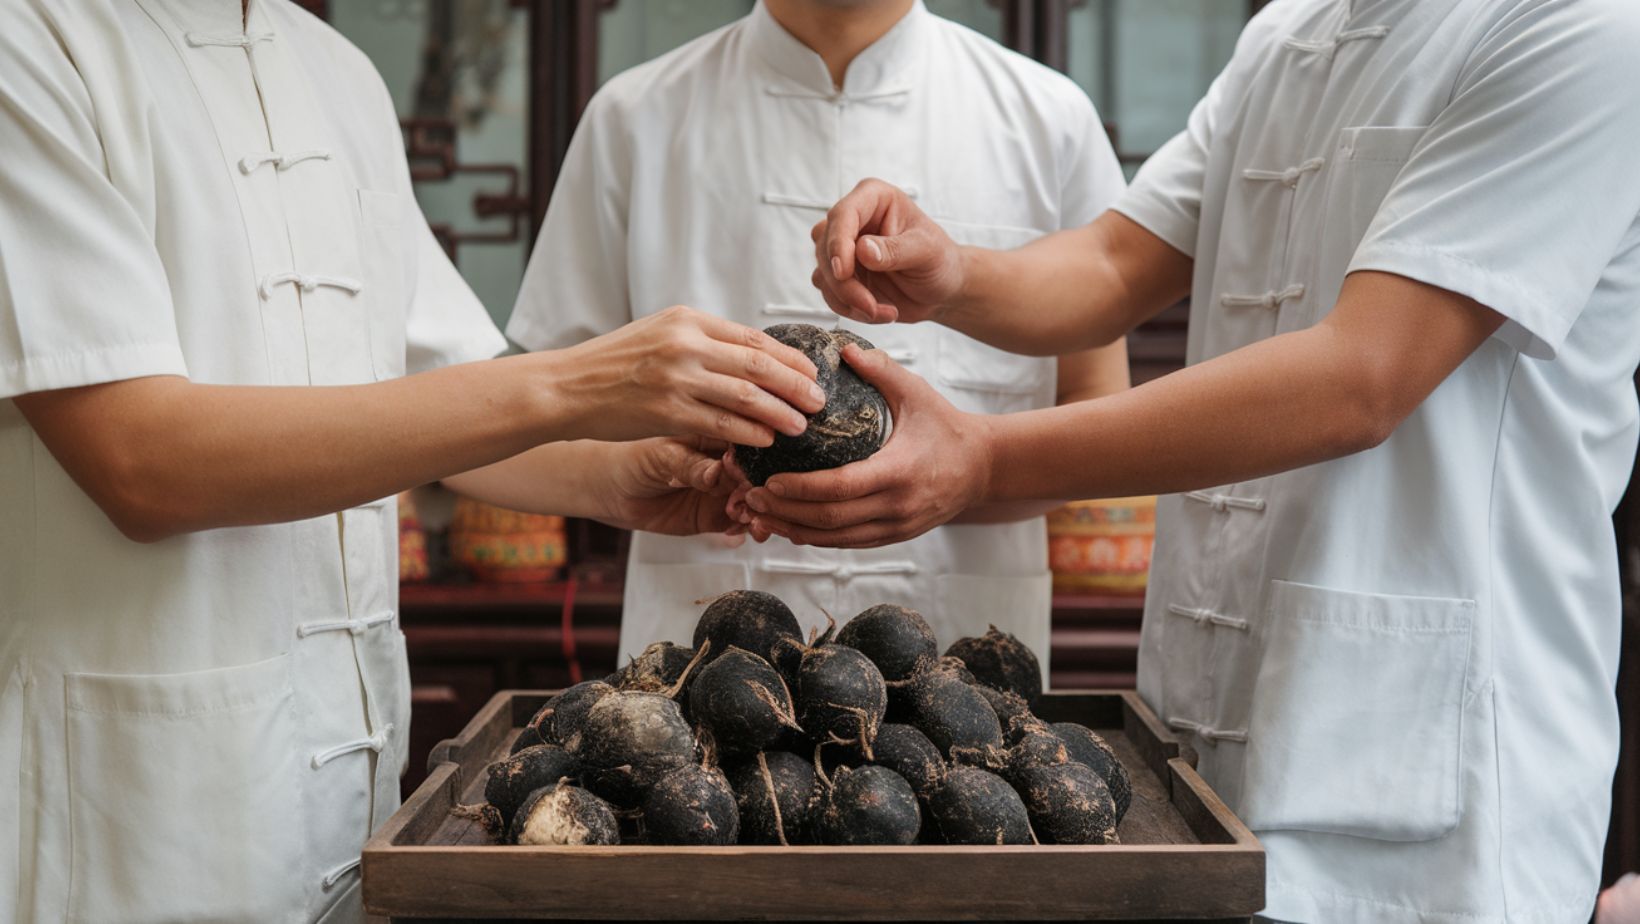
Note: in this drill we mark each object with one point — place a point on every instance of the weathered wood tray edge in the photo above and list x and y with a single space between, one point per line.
1222 877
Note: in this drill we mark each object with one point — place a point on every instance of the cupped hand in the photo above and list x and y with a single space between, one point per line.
682 373
880 259
672 487
934 466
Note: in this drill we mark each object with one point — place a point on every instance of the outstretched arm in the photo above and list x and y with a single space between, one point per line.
1297 399
880 259
163 455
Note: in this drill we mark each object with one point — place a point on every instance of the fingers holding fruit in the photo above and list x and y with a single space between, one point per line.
683 373
929 471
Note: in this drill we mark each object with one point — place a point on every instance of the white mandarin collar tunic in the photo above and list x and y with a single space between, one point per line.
1398 667
207 727
695 178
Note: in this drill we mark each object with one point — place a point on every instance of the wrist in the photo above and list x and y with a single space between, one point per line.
984 455
544 397
966 299
605 471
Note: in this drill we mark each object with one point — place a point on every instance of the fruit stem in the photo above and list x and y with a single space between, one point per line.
774 799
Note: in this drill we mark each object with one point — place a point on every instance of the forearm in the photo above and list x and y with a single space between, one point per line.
1070 291
1082 377
1286 402
192 456
567 479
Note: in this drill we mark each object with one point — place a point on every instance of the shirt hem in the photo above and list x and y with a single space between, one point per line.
1290 903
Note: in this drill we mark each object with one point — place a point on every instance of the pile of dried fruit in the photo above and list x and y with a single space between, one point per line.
859 736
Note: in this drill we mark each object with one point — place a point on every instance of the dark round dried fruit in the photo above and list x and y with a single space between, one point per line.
841 696
564 815
1086 746
560 720
691 806
657 670
775 792
999 660
868 805
511 780
897 639
748 619
631 740
742 703
956 718
853 424
976 807
1068 804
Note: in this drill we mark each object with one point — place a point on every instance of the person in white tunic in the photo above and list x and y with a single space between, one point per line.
1385 605
696 177
213 278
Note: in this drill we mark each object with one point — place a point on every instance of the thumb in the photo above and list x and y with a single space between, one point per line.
886 253
703 473
887 376
667 463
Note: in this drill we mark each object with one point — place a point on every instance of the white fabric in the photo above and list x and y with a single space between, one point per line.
1426 684
159 708
695 178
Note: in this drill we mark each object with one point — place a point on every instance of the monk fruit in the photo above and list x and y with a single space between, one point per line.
1068 804
841 697
741 704
999 660
775 792
511 781
853 424
691 806
897 639
564 815
560 720
751 620
1086 746
972 806
867 805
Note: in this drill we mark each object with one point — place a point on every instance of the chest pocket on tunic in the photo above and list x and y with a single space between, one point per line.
981 378
1369 159
383 236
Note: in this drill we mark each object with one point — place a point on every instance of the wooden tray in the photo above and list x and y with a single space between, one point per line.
1183 854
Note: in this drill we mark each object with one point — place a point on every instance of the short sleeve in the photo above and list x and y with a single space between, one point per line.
446 323
84 297
575 287
1166 196
1522 190
1093 176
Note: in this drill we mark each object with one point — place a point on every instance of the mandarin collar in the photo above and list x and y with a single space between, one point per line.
885 66
216 19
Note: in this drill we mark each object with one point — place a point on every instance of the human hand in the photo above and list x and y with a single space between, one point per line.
880 259
681 373
1620 904
934 466
672 487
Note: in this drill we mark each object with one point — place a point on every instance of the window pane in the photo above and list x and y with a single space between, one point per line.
633 31
979 15
461 64
1147 62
